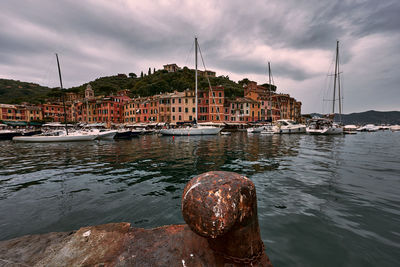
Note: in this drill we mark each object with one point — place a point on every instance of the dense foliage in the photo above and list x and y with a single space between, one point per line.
159 81
15 92
152 83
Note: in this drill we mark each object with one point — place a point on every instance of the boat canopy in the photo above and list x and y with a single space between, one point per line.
16 123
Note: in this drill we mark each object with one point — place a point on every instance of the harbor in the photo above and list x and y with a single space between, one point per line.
317 196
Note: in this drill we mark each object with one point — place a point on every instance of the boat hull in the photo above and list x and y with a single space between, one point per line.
191 131
107 135
326 131
289 130
8 135
124 135
62 138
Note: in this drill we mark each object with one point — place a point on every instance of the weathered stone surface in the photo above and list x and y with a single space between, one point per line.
219 207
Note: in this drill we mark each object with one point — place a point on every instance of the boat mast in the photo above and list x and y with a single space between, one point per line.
63 95
269 85
334 81
338 80
195 57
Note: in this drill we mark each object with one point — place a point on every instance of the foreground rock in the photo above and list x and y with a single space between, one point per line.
219 207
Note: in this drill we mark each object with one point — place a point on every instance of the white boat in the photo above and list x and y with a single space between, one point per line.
368 128
288 127
59 136
258 129
326 125
192 130
350 129
195 129
395 128
323 126
267 132
100 133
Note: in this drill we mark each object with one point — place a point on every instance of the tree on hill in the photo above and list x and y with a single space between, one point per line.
132 75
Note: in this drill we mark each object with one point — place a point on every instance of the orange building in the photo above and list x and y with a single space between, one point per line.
13 112
164 107
55 112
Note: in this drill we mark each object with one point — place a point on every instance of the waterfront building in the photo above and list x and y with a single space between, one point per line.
216 106
54 112
164 107
257 104
183 107
238 109
33 113
100 109
141 110
13 112
203 103
281 106
211 104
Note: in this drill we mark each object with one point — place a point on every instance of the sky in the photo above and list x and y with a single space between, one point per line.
237 39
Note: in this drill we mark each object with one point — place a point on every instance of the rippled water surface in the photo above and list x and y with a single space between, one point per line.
322 200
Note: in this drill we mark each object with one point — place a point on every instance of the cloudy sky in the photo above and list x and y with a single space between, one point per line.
102 38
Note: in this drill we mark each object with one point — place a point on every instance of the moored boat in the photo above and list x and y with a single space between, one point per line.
56 137
196 129
192 130
288 127
323 126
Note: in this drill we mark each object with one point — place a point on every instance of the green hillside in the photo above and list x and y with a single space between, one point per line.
15 92
152 83
157 82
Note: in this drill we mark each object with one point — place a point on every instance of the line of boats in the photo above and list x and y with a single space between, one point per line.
55 133
317 126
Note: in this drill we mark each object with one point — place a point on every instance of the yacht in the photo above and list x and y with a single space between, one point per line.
57 136
258 129
324 126
368 128
288 127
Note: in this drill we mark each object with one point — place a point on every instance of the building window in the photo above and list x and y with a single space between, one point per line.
179 109
180 117
173 109
186 110
194 110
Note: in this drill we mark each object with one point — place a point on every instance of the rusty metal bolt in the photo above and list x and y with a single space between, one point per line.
222 207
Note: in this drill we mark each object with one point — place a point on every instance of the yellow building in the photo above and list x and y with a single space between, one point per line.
183 106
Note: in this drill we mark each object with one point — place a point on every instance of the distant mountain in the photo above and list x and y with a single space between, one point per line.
371 116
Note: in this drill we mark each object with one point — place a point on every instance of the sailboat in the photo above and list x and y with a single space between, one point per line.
59 136
264 129
327 126
196 129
